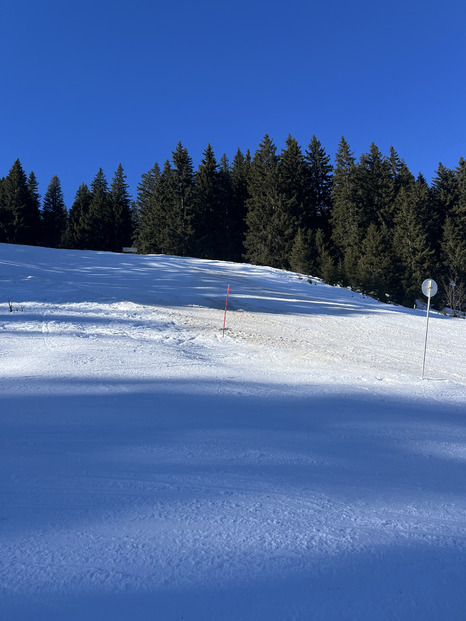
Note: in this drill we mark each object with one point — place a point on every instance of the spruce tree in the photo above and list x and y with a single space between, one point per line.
53 214
414 254
77 233
100 216
320 185
144 219
164 240
375 270
239 182
453 242
19 210
345 217
266 219
293 188
445 197
180 207
376 189
121 211
2 211
225 238
207 224
34 210
461 181
453 249
324 261
300 256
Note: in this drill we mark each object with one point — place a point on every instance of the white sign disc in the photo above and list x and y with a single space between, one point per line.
429 288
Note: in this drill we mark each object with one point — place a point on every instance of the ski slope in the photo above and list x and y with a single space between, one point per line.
296 469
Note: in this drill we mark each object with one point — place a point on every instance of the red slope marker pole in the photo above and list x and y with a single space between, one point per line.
225 315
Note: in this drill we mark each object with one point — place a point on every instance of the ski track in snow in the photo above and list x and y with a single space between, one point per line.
298 468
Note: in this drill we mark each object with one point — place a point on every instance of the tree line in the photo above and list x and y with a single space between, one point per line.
367 223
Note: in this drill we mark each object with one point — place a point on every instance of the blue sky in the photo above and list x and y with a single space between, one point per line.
92 84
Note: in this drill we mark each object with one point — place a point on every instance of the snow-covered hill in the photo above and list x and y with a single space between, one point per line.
298 468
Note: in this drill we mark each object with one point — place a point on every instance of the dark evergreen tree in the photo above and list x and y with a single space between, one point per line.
19 211
293 187
267 218
324 260
162 207
77 233
453 249
413 252
345 217
121 211
225 241
461 181
144 218
101 224
445 193
207 222
453 242
300 256
320 186
180 207
239 183
376 189
445 197
3 214
54 214
401 176
34 210
375 270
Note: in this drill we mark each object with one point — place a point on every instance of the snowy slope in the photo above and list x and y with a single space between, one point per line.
298 468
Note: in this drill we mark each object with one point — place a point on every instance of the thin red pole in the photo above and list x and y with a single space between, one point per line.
225 316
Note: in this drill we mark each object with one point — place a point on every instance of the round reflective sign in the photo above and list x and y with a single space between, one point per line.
429 288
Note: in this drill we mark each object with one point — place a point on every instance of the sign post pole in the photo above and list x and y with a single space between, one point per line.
429 289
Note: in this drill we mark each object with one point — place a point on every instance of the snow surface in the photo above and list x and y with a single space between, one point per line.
297 469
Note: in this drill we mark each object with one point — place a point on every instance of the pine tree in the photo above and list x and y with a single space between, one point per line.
225 238
266 219
101 224
444 198
400 173
415 256
374 265
376 189
77 233
324 261
144 217
345 217
293 189
121 211
300 256
180 209
239 183
53 214
461 181
320 186
19 211
453 249
453 242
34 210
207 224
3 212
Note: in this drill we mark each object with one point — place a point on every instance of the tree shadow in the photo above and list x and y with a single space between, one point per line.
181 499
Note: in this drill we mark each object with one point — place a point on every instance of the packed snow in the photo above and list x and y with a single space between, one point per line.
297 468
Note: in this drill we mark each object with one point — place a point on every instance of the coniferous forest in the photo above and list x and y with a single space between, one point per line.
364 223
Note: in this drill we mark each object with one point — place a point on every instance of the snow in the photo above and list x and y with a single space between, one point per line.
297 469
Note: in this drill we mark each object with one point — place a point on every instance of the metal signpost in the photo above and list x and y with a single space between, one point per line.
429 289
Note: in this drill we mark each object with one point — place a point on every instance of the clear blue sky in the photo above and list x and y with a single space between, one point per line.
90 84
